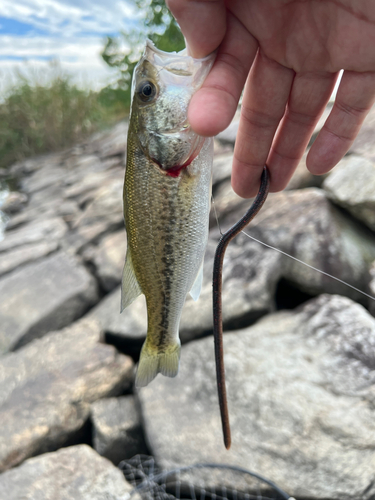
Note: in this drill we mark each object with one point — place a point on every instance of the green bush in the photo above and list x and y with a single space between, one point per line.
39 117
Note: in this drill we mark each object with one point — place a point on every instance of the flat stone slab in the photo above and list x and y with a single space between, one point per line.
74 473
301 401
117 430
47 386
41 297
17 257
50 229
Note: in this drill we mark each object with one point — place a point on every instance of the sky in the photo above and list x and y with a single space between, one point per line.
35 32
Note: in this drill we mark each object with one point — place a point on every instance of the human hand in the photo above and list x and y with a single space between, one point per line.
302 47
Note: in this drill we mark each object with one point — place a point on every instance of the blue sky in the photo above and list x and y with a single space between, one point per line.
71 31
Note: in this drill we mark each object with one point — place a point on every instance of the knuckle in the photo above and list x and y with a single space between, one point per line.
258 118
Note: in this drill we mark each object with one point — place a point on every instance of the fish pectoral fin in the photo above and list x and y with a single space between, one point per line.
130 288
197 285
152 362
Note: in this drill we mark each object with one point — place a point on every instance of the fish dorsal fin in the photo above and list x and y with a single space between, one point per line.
130 288
197 285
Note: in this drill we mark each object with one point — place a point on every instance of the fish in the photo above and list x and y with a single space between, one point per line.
167 197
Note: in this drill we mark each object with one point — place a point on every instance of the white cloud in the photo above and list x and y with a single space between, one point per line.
70 31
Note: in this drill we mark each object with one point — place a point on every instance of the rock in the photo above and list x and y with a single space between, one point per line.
49 229
117 428
307 226
301 402
77 472
47 386
43 178
226 201
108 259
30 165
364 142
110 143
41 297
14 202
228 136
222 168
23 255
126 330
352 186
302 178
101 215
371 302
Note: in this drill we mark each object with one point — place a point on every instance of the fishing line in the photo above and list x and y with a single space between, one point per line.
309 266
216 216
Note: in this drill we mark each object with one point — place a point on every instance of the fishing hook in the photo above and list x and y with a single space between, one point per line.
225 239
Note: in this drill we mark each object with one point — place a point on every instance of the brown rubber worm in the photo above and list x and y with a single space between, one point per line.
217 302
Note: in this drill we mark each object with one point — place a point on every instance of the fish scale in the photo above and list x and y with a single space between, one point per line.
166 202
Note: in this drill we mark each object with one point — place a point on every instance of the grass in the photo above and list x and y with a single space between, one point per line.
40 115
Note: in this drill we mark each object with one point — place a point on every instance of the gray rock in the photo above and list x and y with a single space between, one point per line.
48 229
14 202
77 472
351 184
117 428
47 386
25 254
43 178
230 133
301 401
109 258
126 330
302 178
364 142
30 165
306 225
371 290
222 168
110 143
41 297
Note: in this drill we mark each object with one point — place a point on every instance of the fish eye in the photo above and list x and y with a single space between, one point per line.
147 91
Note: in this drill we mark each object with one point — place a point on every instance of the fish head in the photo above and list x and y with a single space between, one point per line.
163 84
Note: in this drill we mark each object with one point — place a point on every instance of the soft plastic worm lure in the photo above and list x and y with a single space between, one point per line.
225 239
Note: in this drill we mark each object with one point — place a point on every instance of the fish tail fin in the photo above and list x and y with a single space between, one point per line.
153 361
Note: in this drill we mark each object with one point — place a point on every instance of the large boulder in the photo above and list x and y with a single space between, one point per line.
301 402
47 386
43 296
77 472
352 185
25 254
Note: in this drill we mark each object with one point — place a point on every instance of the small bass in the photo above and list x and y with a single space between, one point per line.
166 202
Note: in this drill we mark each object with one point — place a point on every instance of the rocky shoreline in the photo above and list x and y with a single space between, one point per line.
299 346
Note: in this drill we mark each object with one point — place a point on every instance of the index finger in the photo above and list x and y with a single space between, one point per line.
203 23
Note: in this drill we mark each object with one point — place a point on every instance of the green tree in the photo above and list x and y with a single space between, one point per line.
156 23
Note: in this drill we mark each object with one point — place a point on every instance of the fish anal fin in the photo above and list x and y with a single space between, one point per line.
197 285
152 362
130 288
